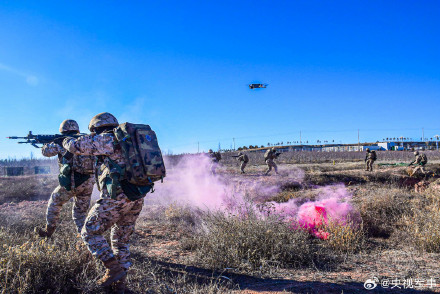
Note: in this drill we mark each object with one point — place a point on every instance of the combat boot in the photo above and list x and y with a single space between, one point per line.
114 273
45 232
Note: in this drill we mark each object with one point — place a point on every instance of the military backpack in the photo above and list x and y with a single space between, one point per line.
144 161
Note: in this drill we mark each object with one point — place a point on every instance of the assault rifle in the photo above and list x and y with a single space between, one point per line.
43 139
235 156
277 154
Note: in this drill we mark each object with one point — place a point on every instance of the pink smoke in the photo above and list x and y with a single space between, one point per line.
191 182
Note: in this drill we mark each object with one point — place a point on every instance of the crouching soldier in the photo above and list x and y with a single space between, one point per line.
370 158
244 161
420 161
75 181
269 158
121 201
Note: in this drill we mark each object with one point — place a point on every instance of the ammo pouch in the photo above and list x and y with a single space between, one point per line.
65 177
113 179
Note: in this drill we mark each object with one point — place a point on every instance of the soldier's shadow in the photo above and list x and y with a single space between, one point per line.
236 281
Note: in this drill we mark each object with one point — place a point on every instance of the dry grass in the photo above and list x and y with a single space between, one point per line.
253 243
345 238
381 208
16 189
423 219
59 265
250 244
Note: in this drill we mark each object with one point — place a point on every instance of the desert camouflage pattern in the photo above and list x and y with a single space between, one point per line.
270 154
242 166
80 194
370 158
417 169
271 164
79 163
120 215
420 159
102 120
69 125
52 149
244 161
371 155
420 162
243 157
81 201
96 145
144 162
369 164
117 213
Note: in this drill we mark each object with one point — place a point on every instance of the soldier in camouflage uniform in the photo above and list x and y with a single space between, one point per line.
113 210
244 161
76 181
215 158
269 157
420 162
370 158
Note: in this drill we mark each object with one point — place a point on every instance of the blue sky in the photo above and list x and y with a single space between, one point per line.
183 67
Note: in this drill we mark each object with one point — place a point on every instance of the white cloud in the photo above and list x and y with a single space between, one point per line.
30 79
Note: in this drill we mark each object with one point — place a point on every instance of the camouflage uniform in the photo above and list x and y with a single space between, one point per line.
419 162
244 161
269 157
80 194
117 213
75 181
214 156
370 158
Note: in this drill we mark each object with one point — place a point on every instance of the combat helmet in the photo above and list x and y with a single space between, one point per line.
103 119
210 151
272 149
416 152
69 125
368 149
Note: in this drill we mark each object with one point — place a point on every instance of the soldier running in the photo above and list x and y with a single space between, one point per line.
370 158
117 208
244 161
269 157
420 161
75 181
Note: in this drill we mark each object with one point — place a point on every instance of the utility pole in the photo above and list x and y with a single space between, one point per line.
300 143
359 142
233 139
423 134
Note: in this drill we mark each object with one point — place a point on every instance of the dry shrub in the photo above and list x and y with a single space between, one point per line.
381 209
183 215
252 242
58 265
422 222
345 238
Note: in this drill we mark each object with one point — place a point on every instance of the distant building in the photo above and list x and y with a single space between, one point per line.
42 170
14 171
